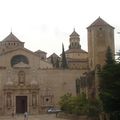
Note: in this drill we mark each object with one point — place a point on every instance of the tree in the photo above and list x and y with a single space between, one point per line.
94 108
110 86
73 104
65 102
52 61
64 64
118 56
109 57
57 63
80 105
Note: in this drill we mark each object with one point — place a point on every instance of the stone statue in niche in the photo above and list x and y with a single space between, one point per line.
9 101
21 76
34 99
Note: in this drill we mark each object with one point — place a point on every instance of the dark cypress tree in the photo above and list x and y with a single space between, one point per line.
110 86
57 63
64 64
52 61
109 57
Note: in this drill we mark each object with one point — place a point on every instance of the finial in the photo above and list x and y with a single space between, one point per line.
74 29
11 30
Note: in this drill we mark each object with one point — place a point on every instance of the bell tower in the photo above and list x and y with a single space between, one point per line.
100 36
74 41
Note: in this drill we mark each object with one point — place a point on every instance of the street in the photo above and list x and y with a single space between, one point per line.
32 117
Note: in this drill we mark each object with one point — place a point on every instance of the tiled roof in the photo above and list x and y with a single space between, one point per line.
54 55
74 33
40 51
75 51
99 22
11 38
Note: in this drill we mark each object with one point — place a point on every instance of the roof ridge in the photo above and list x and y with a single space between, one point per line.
53 54
74 33
99 22
11 38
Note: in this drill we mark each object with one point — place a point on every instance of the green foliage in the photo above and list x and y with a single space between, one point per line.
52 61
110 85
57 63
109 57
79 105
94 107
118 56
65 101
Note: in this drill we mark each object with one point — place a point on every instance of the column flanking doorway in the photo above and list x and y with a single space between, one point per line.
21 104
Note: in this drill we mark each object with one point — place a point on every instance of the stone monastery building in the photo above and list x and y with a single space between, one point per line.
31 82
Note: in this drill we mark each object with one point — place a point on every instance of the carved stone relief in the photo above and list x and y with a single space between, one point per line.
9 100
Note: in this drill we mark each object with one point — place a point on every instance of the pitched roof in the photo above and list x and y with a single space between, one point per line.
99 22
74 33
11 38
40 51
54 55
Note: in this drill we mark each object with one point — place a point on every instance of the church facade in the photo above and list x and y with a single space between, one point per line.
29 81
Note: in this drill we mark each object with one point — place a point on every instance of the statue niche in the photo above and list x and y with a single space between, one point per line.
9 101
34 100
21 77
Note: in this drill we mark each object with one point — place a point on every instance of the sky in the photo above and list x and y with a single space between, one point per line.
46 24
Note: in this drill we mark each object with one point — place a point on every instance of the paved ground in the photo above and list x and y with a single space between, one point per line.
32 117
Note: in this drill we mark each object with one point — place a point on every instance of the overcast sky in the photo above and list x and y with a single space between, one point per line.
45 24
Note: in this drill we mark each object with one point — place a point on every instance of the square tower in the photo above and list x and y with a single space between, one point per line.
100 36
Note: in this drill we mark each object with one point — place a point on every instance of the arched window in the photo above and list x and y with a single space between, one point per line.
19 58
